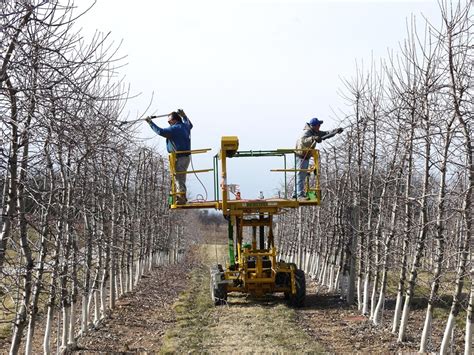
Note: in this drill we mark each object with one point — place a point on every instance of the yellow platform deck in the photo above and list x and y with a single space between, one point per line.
248 205
222 190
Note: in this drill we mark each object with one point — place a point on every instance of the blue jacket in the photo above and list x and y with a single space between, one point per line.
178 136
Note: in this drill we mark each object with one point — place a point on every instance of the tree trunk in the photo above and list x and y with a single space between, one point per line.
469 319
440 238
421 239
38 287
21 316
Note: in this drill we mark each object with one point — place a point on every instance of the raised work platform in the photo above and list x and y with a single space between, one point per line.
222 192
248 205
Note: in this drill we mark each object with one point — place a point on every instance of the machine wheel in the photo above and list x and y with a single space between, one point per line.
297 300
218 290
219 295
283 279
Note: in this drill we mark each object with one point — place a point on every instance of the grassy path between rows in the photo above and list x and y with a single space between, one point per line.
244 325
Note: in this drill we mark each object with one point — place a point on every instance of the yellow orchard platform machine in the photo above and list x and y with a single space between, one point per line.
253 267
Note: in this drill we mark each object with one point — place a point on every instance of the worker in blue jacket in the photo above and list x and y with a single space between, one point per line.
178 138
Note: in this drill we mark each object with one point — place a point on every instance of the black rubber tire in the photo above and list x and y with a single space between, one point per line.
298 299
219 293
283 279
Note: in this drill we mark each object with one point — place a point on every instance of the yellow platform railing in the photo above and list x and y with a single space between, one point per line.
172 160
229 149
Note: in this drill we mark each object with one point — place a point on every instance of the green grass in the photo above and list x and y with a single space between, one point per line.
442 306
193 313
423 283
5 331
6 318
245 325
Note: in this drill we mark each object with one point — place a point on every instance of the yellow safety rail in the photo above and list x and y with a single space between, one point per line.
174 173
234 207
314 192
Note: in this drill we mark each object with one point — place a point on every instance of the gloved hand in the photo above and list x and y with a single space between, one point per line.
148 119
339 130
317 139
181 113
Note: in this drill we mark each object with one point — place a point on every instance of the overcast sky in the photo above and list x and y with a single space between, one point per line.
257 69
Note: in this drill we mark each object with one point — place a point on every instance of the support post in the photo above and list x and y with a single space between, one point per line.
352 255
231 242
262 234
254 238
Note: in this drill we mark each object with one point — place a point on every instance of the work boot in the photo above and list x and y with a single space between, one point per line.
181 200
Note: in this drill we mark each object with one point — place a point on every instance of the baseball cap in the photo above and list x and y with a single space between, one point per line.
314 122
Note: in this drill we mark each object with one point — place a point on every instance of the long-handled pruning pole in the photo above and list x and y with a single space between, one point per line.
141 119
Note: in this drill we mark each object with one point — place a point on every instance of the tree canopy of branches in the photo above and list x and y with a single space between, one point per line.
397 200
84 211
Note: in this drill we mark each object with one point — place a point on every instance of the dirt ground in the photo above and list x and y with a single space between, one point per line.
141 319
171 312
340 328
243 325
